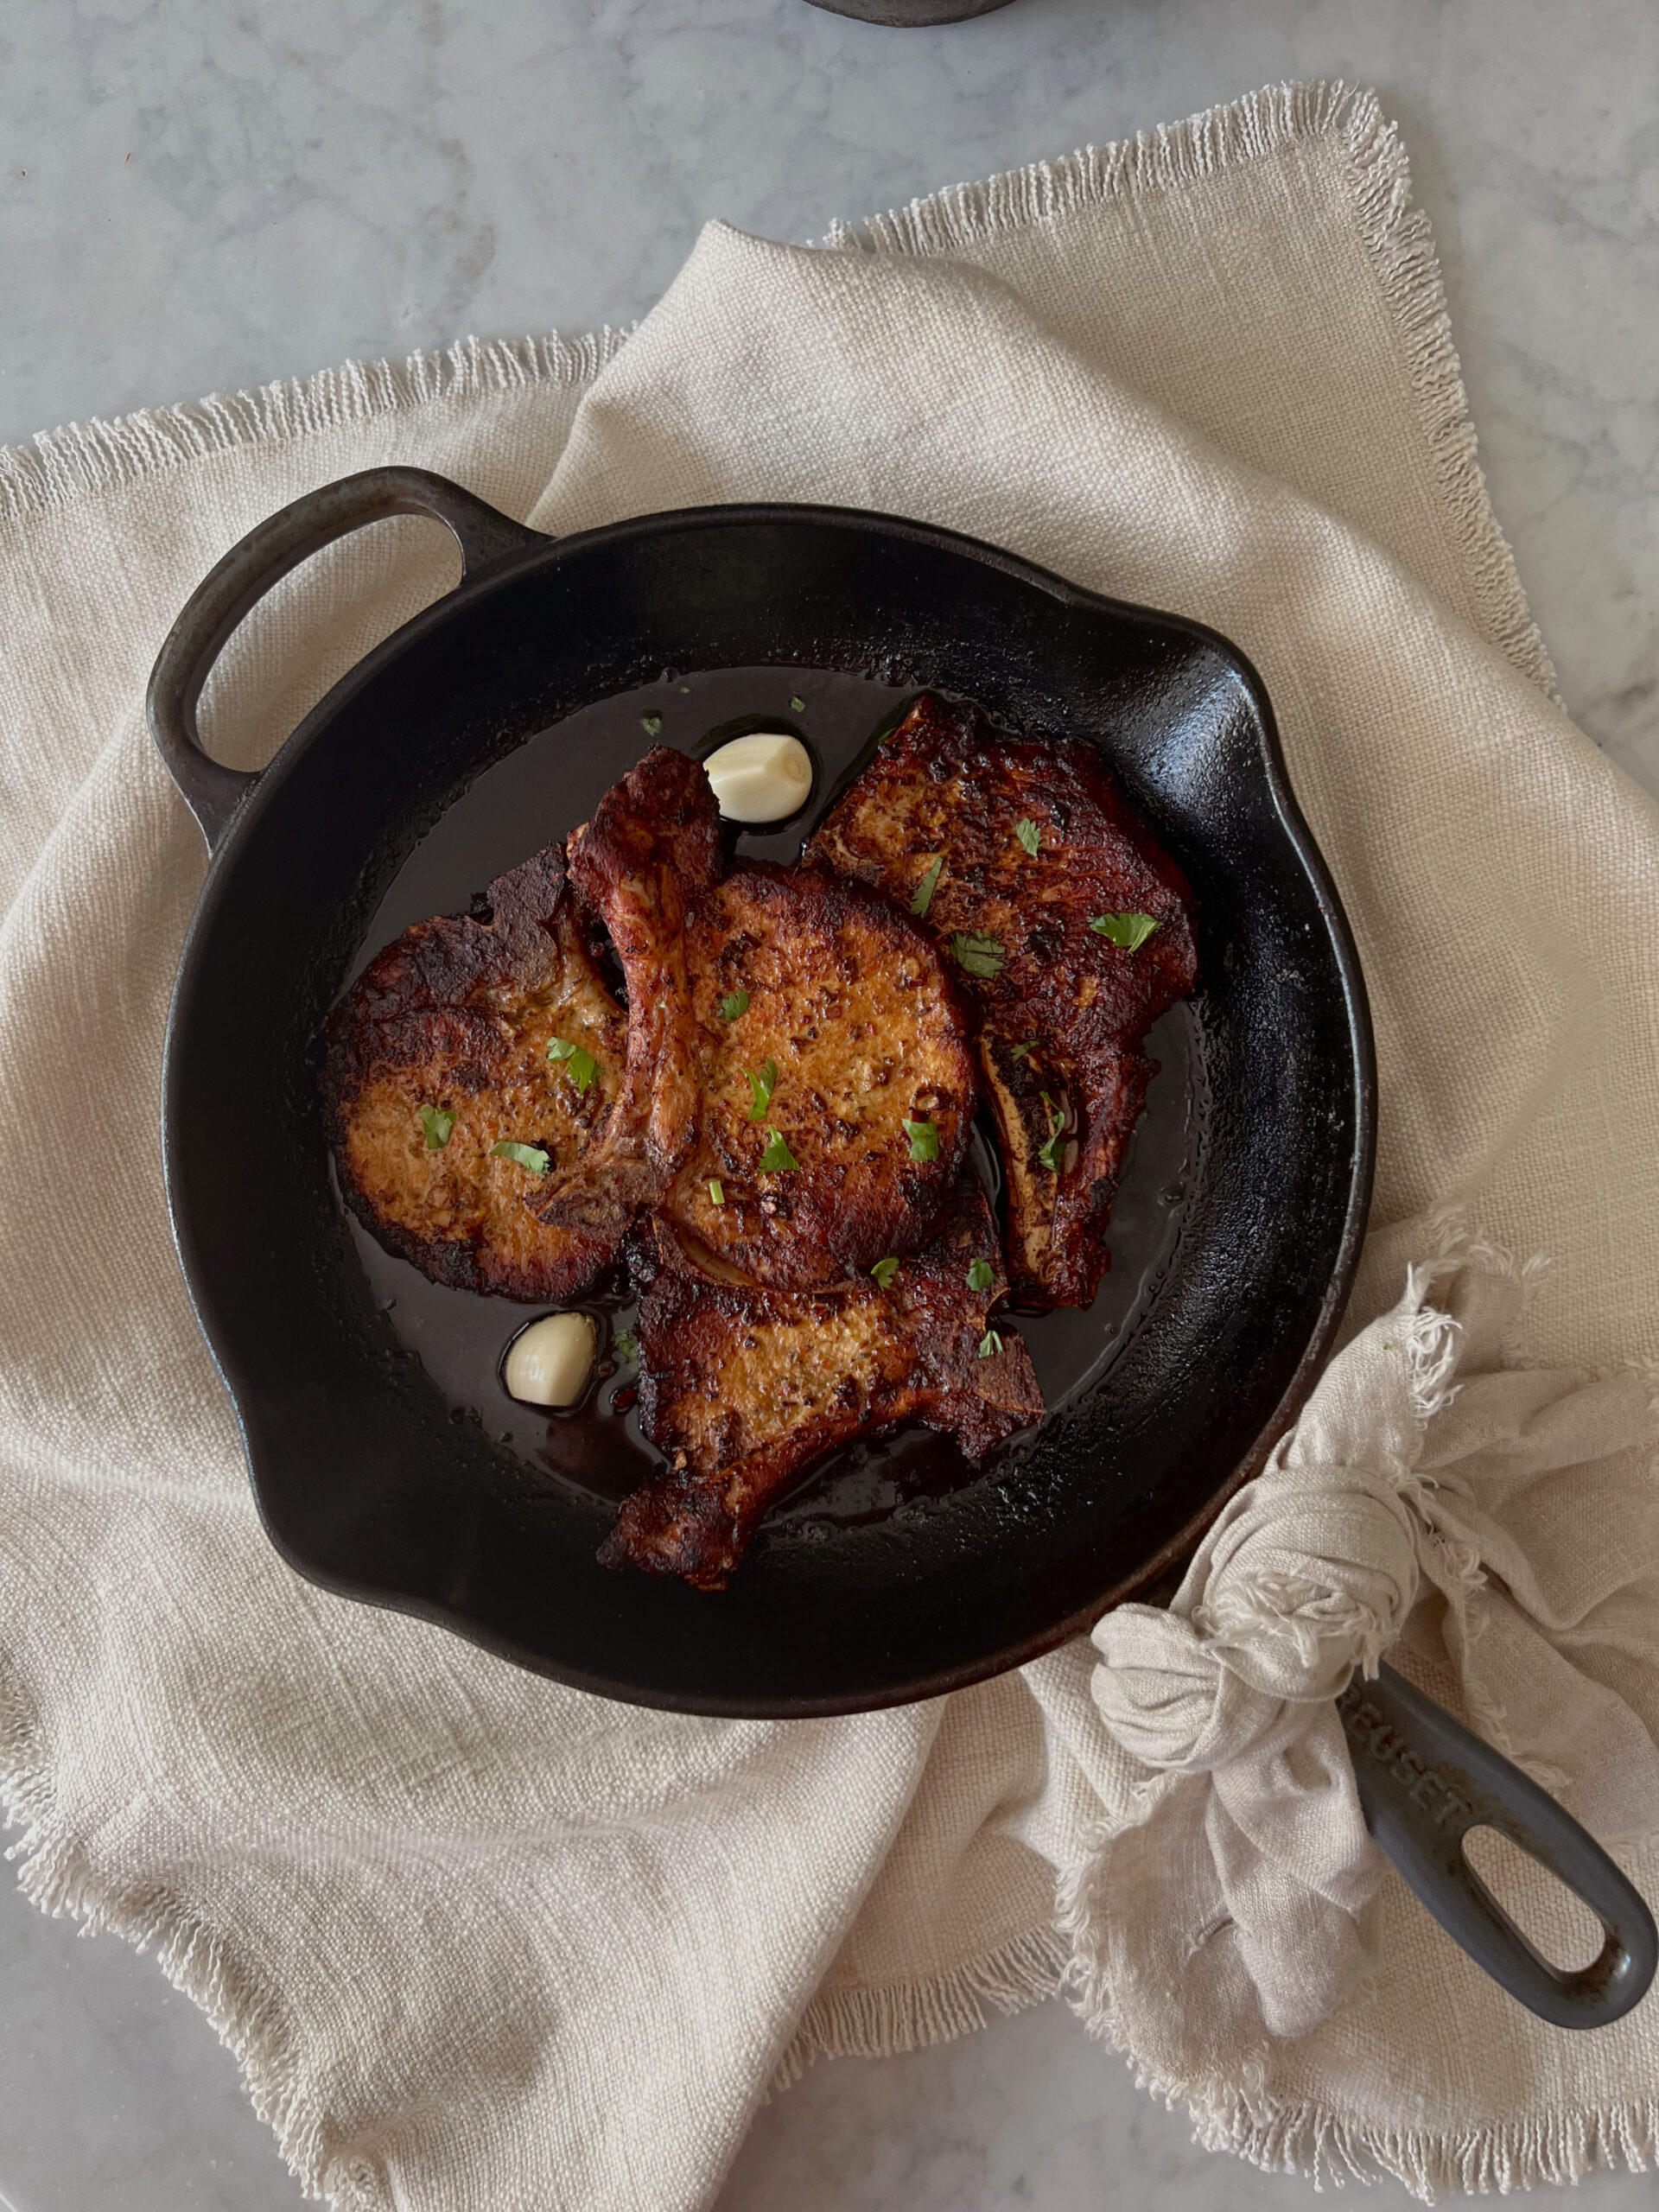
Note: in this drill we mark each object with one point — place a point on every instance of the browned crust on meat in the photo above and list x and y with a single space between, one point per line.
651 849
744 1389
947 787
851 1005
457 1016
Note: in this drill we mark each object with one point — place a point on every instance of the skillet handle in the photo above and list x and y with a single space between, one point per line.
1424 1781
247 572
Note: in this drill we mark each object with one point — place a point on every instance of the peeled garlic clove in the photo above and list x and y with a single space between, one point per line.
549 1362
760 778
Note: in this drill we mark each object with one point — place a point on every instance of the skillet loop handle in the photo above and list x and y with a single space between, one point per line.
1424 1781
247 572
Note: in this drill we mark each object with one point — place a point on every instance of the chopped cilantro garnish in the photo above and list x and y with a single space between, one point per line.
761 1087
797 706
437 1125
1021 1051
1129 931
1029 836
716 1191
627 1345
526 1155
980 1276
924 1140
650 724
735 1004
1049 1156
884 1272
989 1344
582 1067
776 1159
922 898
980 955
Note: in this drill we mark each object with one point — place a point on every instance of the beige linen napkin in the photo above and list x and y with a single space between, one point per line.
483 1943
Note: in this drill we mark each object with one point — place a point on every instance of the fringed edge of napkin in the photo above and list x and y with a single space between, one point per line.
58 465
1491 2159
54 1874
908 2016
1396 236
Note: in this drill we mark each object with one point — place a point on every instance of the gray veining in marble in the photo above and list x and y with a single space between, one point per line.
200 195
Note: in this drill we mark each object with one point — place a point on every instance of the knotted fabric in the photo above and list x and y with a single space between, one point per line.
1427 1490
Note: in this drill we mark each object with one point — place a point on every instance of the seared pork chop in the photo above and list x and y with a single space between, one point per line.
829 1042
745 1388
439 1051
651 849
1036 877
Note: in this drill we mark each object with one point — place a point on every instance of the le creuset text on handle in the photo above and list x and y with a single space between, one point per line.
1424 1782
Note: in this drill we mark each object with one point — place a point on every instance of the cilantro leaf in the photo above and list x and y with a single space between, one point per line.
627 1345
716 1191
1021 1051
776 1159
761 1087
980 955
1049 1156
922 897
581 1067
884 1272
650 724
979 1275
797 706
527 1156
1029 836
989 1344
734 1006
924 1140
437 1125
1129 931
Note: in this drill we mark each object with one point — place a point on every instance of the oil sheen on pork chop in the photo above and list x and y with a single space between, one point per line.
743 1389
650 850
439 1051
828 1041
1024 860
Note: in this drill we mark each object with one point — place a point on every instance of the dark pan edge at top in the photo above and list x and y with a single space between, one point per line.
235 823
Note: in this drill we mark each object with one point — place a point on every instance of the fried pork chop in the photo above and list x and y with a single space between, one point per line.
823 1018
745 1388
651 849
942 822
439 1051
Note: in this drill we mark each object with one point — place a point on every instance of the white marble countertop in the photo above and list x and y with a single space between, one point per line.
203 195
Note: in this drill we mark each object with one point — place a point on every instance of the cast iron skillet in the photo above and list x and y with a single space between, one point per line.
365 1483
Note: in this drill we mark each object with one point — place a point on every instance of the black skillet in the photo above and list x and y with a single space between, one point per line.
375 1484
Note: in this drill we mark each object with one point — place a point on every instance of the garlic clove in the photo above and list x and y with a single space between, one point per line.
549 1362
760 778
